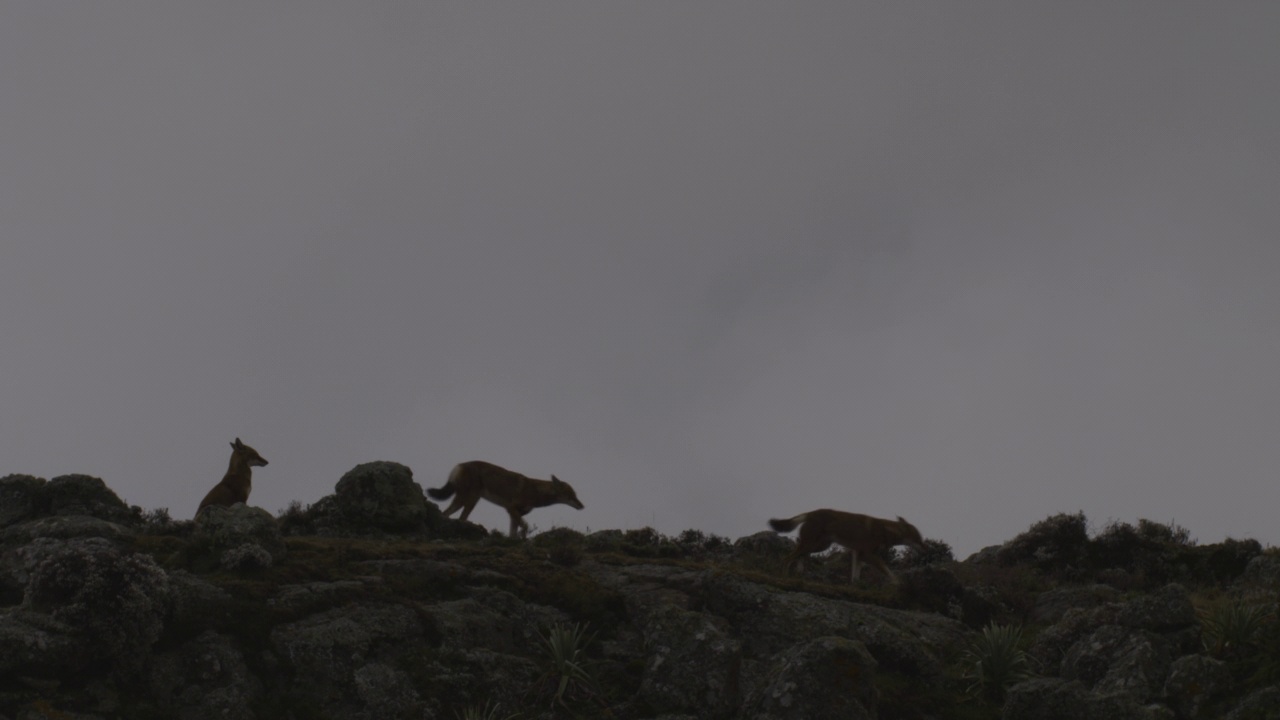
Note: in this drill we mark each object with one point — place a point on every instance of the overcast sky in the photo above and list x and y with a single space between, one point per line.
969 263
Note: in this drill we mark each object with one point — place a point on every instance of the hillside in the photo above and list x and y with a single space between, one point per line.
370 604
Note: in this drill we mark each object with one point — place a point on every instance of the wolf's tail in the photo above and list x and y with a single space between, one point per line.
449 488
787 525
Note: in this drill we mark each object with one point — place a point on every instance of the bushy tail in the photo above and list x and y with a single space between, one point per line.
449 488
441 493
787 525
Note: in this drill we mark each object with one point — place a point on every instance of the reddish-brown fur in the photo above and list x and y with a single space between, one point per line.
236 484
518 494
862 535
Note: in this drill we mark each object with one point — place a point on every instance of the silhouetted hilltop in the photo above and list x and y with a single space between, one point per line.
370 604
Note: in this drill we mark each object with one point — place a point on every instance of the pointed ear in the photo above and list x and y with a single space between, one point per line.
237 443
903 521
555 480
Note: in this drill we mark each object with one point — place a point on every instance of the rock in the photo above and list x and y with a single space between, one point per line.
1168 608
827 678
205 679
1057 699
195 605
382 496
1192 681
34 644
65 527
1262 572
692 663
85 495
329 654
765 542
115 602
226 528
1115 659
1263 704
20 498
246 558
1051 605
912 643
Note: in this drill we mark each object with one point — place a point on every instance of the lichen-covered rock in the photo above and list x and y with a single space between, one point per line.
65 527
205 679
246 558
1116 659
85 495
1262 704
229 527
1193 680
382 495
20 498
912 643
115 602
1263 572
1166 609
196 605
1051 605
827 678
765 542
34 644
692 663
1058 699
328 654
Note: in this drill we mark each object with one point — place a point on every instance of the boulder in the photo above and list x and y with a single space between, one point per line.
20 499
692 663
85 495
222 528
827 678
115 602
330 653
382 496
205 679
1192 681
1058 699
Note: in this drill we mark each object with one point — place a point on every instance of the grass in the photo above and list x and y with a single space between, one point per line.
995 660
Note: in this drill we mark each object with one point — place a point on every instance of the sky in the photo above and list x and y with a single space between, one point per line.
969 263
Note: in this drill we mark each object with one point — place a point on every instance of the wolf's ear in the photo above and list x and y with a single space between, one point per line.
555 480
237 443
902 520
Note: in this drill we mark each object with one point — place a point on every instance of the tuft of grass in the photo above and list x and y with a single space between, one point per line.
996 661
1232 629
568 675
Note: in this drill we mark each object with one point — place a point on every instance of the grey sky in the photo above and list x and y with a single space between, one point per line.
970 263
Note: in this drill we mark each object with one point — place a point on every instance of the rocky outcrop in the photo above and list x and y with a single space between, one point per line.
231 618
239 535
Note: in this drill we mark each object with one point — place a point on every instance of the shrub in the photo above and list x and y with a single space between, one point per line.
1058 541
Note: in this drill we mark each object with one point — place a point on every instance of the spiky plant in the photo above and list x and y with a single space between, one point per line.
568 673
995 661
1228 629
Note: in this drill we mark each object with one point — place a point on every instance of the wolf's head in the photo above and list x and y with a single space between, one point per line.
247 454
564 494
909 535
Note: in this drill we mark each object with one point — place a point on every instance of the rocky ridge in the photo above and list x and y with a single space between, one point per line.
370 604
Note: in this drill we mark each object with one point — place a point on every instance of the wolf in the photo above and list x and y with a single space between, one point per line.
518 494
862 535
235 485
